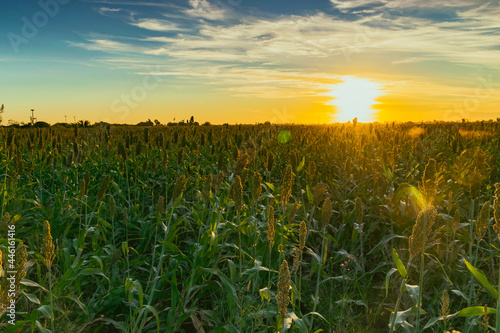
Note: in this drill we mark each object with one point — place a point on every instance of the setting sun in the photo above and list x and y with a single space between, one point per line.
354 99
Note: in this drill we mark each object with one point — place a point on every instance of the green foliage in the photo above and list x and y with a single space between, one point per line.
148 235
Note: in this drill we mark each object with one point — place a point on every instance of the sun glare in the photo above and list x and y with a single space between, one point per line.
354 99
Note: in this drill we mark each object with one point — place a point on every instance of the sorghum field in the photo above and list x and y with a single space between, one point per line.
251 228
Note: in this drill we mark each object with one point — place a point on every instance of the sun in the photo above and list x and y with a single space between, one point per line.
354 98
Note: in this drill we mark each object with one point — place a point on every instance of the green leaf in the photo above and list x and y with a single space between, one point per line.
310 196
265 293
140 292
399 264
45 310
298 322
255 269
30 283
271 186
479 275
232 270
413 291
31 297
432 322
302 163
383 243
474 311
93 271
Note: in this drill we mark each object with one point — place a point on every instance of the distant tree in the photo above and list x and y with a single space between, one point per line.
206 123
145 123
157 122
13 122
355 121
191 120
2 109
41 124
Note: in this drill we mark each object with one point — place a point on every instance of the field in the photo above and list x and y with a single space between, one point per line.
251 228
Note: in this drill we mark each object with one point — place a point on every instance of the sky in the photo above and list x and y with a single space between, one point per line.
248 61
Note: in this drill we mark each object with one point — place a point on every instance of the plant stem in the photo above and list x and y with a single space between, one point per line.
421 278
51 300
320 267
471 241
498 306
398 301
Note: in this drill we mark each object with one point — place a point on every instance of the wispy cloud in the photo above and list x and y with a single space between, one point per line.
255 55
156 25
204 9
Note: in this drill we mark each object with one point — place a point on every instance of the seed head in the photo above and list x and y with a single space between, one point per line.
206 188
318 192
257 188
103 187
271 224
445 304
286 189
426 217
496 209
326 212
241 163
237 193
179 187
302 235
428 187
292 212
483 220
112 207
283 297
244 177
48 246
485 318
160 205
296 259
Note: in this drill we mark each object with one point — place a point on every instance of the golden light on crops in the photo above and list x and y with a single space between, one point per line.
354 98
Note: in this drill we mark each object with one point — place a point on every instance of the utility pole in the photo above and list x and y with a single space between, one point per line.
33 117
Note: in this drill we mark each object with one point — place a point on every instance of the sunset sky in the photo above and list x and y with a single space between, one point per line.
247 61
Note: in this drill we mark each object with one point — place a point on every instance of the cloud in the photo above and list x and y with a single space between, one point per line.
287 55
108 46
156 25
204 9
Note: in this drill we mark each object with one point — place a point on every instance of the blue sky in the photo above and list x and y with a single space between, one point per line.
246 61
